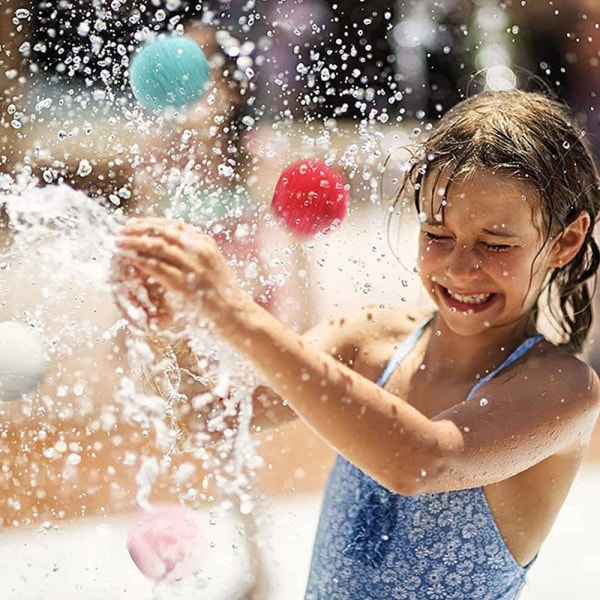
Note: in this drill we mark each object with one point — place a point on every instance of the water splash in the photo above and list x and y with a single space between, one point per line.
56 259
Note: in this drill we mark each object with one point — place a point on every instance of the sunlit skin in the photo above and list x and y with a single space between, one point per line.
523 443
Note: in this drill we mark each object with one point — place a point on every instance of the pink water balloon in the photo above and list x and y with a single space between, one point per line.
165 543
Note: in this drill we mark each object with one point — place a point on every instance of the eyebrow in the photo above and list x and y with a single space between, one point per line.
503 233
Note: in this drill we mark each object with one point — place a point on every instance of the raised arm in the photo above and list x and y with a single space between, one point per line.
468 445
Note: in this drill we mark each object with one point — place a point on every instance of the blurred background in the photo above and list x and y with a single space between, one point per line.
351 83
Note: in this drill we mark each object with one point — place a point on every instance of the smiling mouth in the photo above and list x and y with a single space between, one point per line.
471 300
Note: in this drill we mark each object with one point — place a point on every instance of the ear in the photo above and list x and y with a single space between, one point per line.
568 243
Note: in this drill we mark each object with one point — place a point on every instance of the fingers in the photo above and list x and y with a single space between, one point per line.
133 307
176 244
171 241
166 275
173 231
166 256
153 256
144 301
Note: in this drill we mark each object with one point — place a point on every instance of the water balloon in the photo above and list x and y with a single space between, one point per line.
310 197
170 71
23 360
165 543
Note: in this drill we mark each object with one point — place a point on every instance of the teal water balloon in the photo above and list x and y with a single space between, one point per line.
171 71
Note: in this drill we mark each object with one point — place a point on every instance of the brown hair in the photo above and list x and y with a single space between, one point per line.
534 138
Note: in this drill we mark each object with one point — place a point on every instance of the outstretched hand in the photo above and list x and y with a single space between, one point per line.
167 271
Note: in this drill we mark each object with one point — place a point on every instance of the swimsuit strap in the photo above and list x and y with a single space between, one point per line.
411 340
522 349
402 351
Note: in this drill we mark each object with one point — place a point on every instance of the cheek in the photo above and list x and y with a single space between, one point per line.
424 263
508 264
505 270
430 254
430 263
513 271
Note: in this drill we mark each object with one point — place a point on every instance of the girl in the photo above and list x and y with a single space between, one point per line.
458 434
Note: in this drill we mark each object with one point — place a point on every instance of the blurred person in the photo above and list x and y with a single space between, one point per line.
63 69
69 94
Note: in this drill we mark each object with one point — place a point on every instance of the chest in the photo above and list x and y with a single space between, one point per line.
430 392
431 388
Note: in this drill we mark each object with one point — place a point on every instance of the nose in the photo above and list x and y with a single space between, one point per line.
462 263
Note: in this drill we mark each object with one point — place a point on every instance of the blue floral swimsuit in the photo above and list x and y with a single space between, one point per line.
374 544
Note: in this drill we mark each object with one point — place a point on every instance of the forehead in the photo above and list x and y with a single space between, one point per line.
495 198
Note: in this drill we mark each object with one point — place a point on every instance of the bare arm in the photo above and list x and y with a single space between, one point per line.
381 433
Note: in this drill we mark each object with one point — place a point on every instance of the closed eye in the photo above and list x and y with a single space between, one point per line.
434 237
437 238
496 247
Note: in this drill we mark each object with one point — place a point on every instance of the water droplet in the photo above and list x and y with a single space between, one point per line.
45 526
85 168
246 507
73 459
22 13
248 121
43 104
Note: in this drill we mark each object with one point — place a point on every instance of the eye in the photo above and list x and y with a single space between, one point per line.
496 247
433 237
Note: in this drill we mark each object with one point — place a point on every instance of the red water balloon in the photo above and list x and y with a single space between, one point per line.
310 197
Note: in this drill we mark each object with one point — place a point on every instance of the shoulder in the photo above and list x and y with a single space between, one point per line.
544 404
555 382
566 374
348 335
558 364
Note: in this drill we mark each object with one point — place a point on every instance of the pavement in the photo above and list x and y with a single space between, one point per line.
89 559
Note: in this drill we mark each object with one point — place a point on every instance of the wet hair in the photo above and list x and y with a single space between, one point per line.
534 138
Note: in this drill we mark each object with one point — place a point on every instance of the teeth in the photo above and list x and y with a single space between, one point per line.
471 299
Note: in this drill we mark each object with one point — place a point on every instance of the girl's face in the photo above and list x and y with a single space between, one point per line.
482 255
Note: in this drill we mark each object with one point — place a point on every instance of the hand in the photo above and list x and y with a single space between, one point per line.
171 271
144 302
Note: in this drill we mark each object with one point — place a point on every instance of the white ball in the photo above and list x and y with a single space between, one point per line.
23 360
